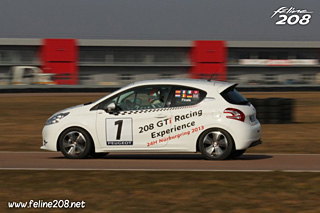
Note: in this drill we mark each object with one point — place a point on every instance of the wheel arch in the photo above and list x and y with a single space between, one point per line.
213 128
57 142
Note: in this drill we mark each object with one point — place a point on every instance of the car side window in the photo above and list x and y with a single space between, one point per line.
126 100
104 105
186 96
146 97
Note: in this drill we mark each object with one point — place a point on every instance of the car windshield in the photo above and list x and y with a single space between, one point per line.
232 96
104 97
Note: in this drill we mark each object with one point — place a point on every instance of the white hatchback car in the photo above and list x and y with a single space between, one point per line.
158 116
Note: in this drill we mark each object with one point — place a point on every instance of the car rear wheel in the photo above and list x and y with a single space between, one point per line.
215 144
75 143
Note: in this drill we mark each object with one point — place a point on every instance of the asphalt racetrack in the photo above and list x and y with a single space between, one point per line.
160 162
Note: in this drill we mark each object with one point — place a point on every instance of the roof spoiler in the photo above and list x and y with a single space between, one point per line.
224 86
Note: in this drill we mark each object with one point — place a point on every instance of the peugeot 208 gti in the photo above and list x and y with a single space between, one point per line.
158 116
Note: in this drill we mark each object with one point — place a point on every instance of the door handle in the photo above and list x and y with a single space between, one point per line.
161 116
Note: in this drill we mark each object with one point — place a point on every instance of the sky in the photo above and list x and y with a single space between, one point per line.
248 20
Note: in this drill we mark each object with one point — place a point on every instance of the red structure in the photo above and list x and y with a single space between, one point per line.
209 58
60 56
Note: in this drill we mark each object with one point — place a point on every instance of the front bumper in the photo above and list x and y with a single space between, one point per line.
50 134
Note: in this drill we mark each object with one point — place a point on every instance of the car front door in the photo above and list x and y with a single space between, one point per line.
140 121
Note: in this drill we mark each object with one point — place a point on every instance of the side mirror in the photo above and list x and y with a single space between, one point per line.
111 107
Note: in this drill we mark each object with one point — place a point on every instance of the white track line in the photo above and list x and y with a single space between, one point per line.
149 153
26 152
154 170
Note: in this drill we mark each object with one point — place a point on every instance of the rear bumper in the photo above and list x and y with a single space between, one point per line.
245 135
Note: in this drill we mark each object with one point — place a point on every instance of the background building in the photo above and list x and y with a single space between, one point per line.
119 62
114 42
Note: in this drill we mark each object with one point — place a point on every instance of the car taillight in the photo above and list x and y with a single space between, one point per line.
235 114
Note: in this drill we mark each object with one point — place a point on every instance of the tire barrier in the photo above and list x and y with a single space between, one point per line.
274 110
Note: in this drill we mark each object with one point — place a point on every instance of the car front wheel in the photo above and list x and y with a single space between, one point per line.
75 143
215 144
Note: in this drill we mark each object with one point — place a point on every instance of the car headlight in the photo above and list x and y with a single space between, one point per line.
56 118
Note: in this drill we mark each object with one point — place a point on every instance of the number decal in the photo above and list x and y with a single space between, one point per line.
197 129
119 132
146 128
282 21
294 19
119 123
305 19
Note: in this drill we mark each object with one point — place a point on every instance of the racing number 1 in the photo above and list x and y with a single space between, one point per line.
119 131
119 123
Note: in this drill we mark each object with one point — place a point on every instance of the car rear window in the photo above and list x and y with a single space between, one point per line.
232 96
186 96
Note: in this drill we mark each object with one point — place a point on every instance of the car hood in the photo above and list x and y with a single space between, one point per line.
69 109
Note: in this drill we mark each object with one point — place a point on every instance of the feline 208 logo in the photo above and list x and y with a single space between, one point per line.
292 16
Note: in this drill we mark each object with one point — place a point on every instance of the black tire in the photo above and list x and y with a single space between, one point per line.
261 102
75 143
277 109
274 115
262 121
237 153
274 121
261 115
267 121
253 101
273 102
262 109
219 148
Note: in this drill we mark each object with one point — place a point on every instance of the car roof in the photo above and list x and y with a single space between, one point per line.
198 83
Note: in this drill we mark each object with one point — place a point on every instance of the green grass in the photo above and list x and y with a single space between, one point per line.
106 191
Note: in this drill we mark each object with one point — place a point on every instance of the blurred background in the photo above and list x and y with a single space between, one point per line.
114 63
113 43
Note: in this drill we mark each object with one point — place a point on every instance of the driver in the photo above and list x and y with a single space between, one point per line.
156 98
153 96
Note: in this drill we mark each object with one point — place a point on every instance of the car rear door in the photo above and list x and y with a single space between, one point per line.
188 117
